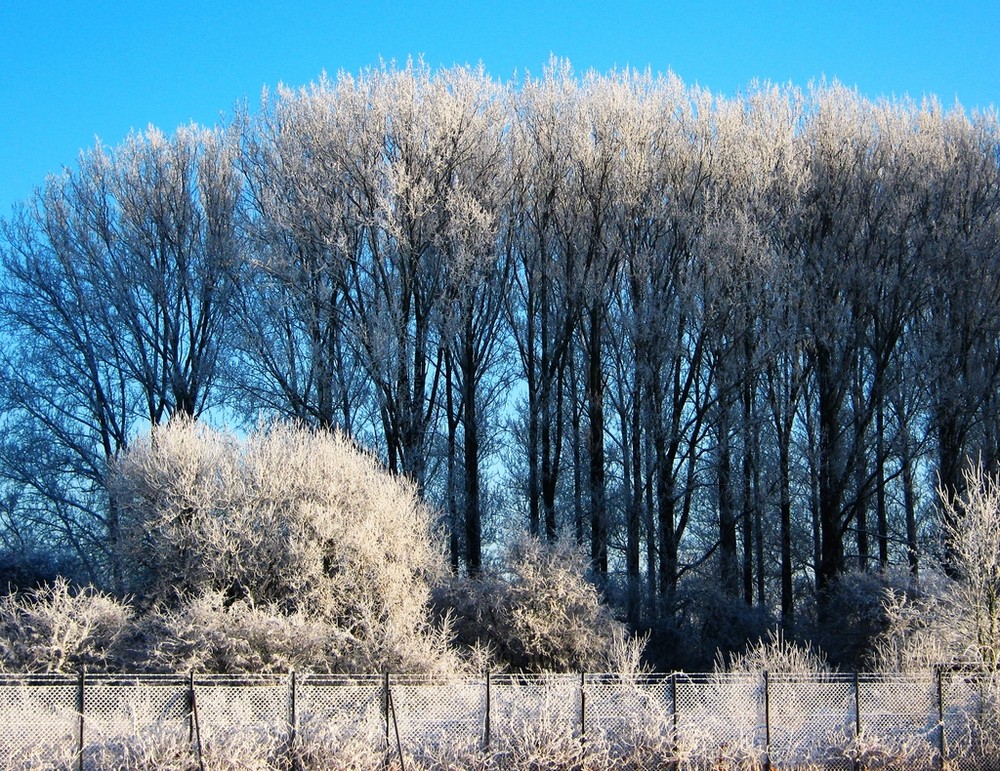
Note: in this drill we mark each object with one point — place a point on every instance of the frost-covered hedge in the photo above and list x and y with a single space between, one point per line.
292 549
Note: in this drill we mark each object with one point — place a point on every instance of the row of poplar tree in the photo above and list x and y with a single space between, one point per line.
744 335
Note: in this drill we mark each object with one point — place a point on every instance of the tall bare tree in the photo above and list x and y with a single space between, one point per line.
116 276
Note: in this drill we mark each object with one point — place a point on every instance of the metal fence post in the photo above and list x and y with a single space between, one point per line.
857 720
81 683
489 707
857 706
673 706
767 721
395 726
980 739
583 706
940 705
385 709
292 717
195 723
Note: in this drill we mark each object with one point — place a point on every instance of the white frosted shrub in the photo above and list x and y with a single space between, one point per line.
927 625
206 635
293 523
777 656
57 629
541 614
555 614
951 617
972 533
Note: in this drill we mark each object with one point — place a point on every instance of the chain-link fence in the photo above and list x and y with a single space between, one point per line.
943 720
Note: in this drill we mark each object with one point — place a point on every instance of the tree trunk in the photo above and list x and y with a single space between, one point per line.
728 559
831 560
470 429
595 446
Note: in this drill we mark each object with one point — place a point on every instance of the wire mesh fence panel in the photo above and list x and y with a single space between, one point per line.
631 717
432 712
971 721
39 721
898 719
988 725
536 721
812 720
962 703
529 707
721 717
340 716
242 717
132 722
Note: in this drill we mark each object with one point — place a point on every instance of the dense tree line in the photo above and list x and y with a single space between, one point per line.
743 337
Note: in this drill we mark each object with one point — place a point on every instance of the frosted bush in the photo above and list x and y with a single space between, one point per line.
154 749
323 744
556 619
928 625
849 616
776 656
951 617
206 635
701 620
40 757
624 656
540 614
58 629
264 537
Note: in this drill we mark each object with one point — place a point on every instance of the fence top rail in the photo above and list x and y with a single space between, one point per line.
894 679
136 679
36 679
248 680
718 678
811 678
435 680
531 679
502 679
643 679
820 678
319 678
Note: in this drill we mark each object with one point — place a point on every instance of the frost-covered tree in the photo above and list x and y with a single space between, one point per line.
732 338
952 617
958 328
114 311
972 530
295 354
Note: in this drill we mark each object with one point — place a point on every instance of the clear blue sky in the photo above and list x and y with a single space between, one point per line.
71 71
